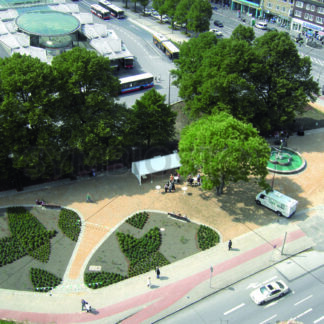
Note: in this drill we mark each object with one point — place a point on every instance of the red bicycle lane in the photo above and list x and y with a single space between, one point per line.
157 300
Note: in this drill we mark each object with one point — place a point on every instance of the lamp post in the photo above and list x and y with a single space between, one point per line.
169 89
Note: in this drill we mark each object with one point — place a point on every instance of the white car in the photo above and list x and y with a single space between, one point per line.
261 25
217 32
269 291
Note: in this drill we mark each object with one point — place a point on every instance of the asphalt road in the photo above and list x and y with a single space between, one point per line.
233 305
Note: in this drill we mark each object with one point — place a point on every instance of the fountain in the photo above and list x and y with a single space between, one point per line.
285 161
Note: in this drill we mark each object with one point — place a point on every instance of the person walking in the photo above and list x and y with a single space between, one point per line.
83 304
148 282
229 245
157 270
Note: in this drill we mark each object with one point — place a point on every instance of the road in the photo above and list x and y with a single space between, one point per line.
148 57
233 305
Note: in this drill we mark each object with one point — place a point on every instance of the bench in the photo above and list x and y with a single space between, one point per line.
179 217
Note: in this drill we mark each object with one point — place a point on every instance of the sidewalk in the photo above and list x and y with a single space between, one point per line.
181 284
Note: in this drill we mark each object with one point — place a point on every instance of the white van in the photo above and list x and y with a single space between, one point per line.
261 25
281 204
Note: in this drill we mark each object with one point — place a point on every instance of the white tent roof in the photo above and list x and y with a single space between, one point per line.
156 164
84 17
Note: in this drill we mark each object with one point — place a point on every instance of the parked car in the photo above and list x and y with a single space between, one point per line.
217 32
179 25
261 25
218 23
269 292
147 11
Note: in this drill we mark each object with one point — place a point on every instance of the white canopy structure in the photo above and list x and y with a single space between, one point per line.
156 164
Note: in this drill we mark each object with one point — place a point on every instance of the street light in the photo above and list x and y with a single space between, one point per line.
169 99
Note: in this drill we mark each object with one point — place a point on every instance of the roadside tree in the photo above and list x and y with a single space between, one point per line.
199 16
27 129
91 122
153 121
243 33
223 150
264 82
181 12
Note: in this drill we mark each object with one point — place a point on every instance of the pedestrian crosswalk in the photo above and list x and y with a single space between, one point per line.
314 59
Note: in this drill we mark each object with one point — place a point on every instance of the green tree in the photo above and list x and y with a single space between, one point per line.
27 128
170 7
159 6
243 33
91 122
153 121
144 3
135 2
181 12
199 16
223 150
264 82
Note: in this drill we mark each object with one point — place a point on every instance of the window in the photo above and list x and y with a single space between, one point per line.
292 1
298 13
308 7
269 4
306 15
310 17
277 7
320 10
283 9
319 20
284 0
313 8
299 4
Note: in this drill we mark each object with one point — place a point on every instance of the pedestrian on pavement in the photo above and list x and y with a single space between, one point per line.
229 245
157 270
148 282
83 304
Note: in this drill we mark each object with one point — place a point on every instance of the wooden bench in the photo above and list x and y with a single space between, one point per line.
179 217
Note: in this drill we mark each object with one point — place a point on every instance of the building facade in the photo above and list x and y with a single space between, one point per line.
308 17
279 11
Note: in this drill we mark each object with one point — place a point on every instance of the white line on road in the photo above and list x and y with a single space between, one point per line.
268 319
299 302
272 304
234 309
302 314
319 319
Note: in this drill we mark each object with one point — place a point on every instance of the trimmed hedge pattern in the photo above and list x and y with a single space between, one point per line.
43 280
156 259
101 279
70 224
138 220
30 233
10 250
142 253
207 237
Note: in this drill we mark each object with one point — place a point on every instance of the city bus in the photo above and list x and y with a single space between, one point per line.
136 82
114 10
166 46
100 11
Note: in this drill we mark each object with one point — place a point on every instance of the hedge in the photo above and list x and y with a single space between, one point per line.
138 220
207 237
70 224
43 280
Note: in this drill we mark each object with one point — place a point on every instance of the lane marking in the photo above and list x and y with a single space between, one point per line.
319 319
306 298
272 304
234 309
268 319
302 314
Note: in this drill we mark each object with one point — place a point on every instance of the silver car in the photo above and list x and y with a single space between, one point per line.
269 292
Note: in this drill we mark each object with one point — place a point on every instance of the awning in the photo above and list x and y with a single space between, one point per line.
156 164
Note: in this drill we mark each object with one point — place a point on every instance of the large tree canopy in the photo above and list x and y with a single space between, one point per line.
263 81
199 16
223 150
53 115
153 120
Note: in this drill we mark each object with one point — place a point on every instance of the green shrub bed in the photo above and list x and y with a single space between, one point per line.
207 237
101 279
43 280
30 233
146 264
70 224
138 220
10 250
142 253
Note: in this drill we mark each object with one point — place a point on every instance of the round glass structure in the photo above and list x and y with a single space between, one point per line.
47 23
